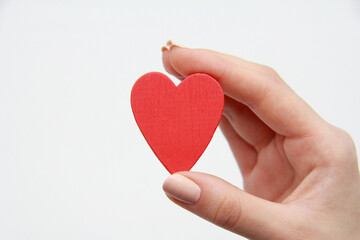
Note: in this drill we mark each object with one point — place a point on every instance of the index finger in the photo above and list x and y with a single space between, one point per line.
270 99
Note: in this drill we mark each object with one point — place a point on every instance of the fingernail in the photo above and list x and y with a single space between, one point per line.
169 43
164 48
182 189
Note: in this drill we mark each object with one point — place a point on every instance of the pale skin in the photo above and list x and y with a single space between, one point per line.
301 174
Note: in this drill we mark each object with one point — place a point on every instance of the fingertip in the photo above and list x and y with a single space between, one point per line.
172 45
182 189
168 65
188 61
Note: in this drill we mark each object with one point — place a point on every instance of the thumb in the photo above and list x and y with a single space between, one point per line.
228 206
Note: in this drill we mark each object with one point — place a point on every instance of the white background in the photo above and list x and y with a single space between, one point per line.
73 164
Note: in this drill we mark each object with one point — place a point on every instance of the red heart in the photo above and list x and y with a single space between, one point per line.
178 122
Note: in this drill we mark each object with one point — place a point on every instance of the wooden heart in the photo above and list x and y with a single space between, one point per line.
178 122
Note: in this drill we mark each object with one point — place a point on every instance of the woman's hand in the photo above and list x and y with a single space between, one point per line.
301 175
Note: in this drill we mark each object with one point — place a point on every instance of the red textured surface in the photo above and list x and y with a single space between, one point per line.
178 122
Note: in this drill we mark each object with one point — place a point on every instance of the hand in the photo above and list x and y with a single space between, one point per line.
301 175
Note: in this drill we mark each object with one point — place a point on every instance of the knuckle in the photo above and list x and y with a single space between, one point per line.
271 74
341 149
228 212
345 142
269 71
346 136
348 145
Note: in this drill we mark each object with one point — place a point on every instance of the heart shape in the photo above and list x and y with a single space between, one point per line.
178 122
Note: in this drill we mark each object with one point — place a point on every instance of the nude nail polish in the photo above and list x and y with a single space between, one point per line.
182 189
